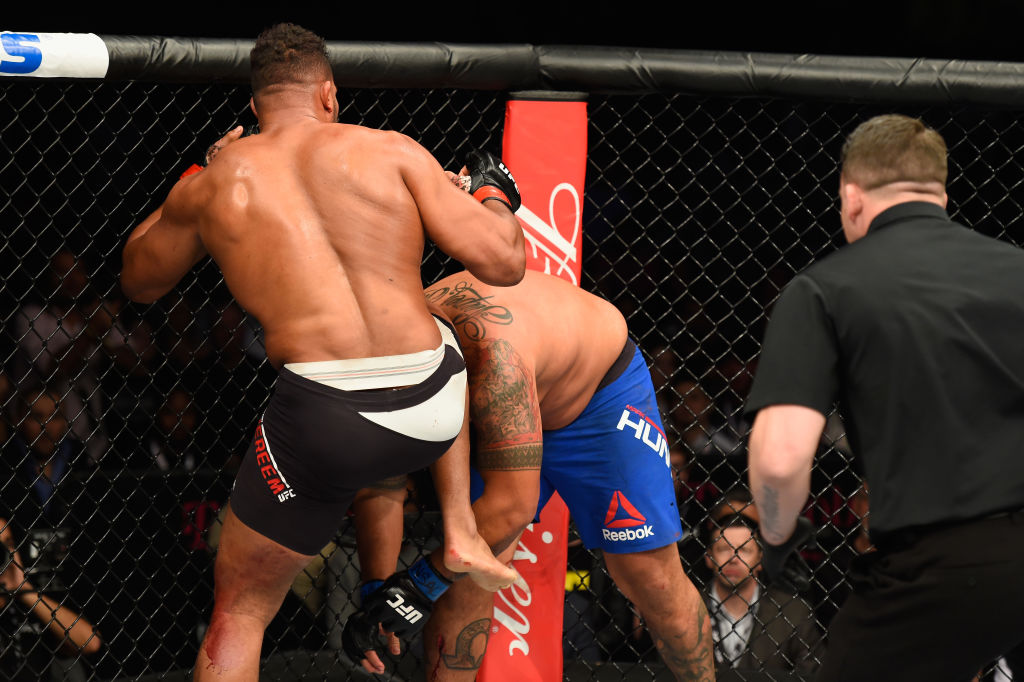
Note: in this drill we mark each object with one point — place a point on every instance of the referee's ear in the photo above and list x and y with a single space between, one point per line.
851 208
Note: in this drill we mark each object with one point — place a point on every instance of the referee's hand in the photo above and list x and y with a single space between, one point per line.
782 564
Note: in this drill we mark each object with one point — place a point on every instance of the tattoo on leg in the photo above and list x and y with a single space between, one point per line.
464 658
689 663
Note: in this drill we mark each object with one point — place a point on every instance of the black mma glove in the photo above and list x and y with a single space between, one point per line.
361 634
783 565
401 605
490 179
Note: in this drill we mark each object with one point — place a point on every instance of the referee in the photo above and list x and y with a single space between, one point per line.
917 329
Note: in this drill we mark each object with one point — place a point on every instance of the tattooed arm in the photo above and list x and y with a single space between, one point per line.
782 446
505 414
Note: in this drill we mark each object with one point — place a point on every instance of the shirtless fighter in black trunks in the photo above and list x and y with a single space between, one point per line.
319 230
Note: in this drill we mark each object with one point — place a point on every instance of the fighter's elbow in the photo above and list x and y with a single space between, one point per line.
505 269
511 274
137 292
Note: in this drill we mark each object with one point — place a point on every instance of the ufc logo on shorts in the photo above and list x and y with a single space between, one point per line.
408 611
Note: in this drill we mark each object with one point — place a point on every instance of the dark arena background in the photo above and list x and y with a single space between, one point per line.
711 180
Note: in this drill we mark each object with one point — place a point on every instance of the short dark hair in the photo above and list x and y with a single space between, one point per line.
737 520
736 499
893 148
286 53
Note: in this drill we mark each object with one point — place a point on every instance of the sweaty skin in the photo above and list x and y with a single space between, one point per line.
319 230
565 360
535 353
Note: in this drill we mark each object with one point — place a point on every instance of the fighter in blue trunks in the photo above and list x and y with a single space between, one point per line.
560 399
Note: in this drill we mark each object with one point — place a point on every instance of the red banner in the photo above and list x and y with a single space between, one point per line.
526 634
545 147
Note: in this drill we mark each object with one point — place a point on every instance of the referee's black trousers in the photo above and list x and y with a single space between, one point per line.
932 604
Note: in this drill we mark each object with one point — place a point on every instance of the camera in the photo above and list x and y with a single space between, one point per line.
45 551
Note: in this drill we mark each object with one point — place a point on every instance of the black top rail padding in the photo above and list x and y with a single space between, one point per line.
356 64
592 69
919 81
178 60
433 65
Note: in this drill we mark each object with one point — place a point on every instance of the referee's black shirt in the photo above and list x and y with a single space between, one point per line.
917 329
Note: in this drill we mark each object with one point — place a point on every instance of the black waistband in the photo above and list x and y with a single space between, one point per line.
619 366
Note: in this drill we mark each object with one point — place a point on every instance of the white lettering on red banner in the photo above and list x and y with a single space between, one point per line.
518 595
545 237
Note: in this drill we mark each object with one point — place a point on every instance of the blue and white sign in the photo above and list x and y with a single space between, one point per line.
53 55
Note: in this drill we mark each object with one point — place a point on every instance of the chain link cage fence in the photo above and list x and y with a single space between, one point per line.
123 424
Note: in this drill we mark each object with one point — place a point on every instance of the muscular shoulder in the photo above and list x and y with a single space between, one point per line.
389 144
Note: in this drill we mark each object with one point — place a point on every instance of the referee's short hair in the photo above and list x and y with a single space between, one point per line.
893 148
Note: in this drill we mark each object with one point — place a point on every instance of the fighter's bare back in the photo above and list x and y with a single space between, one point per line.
568 360
319 230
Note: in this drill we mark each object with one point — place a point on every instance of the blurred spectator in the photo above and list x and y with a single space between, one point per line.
40 638
693 419
694 499
57 343
182 335
713 451
755 628
174 441
127 353
736 500
737 377
43 452
666 365
235 383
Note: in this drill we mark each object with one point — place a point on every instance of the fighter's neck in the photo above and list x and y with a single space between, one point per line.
286 117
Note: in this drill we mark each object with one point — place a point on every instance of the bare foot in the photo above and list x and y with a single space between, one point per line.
472 556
